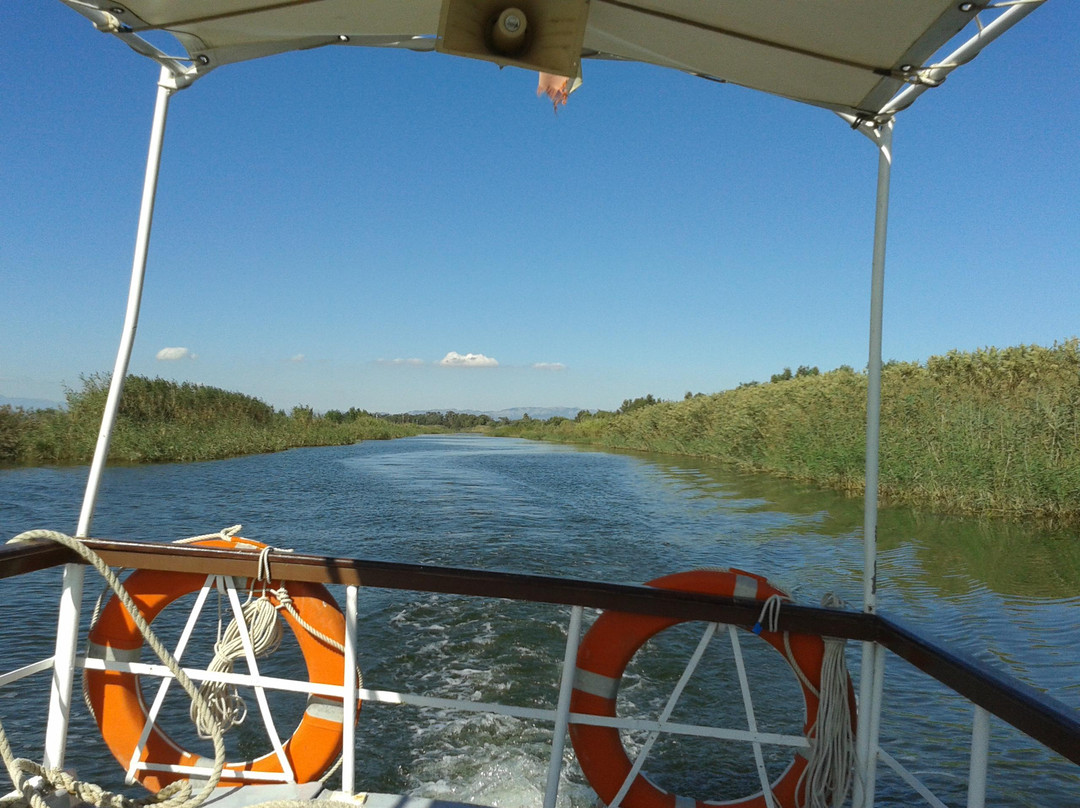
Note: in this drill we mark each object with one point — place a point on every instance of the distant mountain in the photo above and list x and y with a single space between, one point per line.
29 403
515 413
539 413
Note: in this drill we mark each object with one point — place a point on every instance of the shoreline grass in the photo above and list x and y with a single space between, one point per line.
163 421
991 432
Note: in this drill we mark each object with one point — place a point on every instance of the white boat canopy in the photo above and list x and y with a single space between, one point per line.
851 56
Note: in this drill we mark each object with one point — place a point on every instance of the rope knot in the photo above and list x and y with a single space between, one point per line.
770 614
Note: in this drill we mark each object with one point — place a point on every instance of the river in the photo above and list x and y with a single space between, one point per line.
1003 592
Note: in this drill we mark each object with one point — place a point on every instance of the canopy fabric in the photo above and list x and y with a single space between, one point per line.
851 56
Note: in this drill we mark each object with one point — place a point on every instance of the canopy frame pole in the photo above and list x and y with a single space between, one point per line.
933 75
131 316
869 695
67 633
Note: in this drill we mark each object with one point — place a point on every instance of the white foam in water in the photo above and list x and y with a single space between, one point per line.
472 650
476 651
507 770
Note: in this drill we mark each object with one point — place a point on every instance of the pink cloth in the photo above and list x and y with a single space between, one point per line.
557 88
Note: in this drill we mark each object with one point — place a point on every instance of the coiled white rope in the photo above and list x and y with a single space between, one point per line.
177 795
227 707
828 775
265 633
826 780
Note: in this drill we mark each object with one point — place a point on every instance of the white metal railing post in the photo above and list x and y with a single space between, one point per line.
67 632
870 775
348 736
562 709
866 755
980 758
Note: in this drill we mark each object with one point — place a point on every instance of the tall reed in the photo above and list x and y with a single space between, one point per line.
162 420
990 431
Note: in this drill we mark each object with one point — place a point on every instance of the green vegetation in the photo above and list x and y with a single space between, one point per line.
163 421
454 421
989 432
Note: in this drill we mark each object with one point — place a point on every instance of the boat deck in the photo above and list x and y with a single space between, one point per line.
244 796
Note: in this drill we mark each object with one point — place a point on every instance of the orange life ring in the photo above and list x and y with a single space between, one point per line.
121 714
603 656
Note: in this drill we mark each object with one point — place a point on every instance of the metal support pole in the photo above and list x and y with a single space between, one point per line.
873 371
562 710
870 775
348 739
67 632
63 669
131 316
865 749
980 758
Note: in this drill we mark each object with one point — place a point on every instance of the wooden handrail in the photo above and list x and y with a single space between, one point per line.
459 581
1047 720
1040 717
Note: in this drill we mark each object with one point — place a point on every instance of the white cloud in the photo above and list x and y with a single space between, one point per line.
548 366
413 362
456 360
173 354
298 358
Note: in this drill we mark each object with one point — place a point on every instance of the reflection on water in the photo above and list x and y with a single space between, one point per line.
1007 593
956 553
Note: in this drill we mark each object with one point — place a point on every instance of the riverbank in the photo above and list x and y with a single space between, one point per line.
993 432
164 421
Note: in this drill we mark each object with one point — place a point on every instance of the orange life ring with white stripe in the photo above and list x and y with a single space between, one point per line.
121 714
603 656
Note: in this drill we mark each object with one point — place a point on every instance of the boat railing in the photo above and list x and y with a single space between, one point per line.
990 692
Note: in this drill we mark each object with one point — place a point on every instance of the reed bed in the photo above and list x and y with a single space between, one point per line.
165 421
994 431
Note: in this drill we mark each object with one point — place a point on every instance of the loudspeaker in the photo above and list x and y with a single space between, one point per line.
541 35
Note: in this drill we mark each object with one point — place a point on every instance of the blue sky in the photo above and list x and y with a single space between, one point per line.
332 225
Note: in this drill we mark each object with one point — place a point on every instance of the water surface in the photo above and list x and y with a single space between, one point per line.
1003 592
